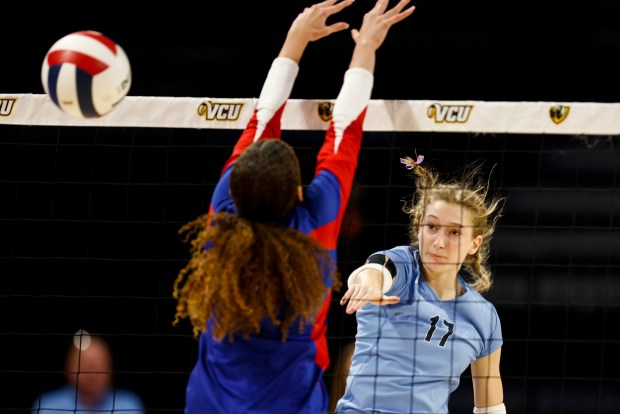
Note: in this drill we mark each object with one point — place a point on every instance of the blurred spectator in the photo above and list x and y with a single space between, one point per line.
89 387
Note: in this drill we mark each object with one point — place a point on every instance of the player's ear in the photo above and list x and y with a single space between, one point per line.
475 244
300 194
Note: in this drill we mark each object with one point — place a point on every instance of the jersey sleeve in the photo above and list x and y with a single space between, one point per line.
326 197
343 139
495 338
328 194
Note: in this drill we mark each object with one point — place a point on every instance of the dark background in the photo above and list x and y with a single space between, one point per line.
89 220
529 50
89 215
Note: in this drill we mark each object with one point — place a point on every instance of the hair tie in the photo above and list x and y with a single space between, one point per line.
410 163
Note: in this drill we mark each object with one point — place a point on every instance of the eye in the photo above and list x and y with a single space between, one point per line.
431 228
455 232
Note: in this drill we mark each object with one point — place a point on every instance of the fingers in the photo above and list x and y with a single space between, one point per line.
389 300
327 3
359 296
346 296
356 305
312 25
336 27
333 9
339 6
380 7
395 14
396 9
401 15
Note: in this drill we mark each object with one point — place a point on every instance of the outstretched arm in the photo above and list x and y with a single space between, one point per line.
358 81
309 25
368 284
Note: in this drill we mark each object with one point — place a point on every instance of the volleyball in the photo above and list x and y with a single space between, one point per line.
86 74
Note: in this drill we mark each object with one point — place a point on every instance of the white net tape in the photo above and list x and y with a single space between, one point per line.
568 118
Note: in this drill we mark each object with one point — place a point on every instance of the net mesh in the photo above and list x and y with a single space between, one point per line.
89 220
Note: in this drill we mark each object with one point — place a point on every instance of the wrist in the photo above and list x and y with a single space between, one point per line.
382 276
496 409
293 47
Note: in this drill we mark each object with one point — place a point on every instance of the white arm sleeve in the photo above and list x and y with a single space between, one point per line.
387 276
496 409
276 90
352 99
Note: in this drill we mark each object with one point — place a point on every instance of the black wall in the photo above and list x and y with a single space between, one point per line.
90 216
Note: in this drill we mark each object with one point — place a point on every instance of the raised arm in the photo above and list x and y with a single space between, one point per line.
340 155
308 26
358 80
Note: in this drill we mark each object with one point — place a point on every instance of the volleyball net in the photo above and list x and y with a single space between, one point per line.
91 210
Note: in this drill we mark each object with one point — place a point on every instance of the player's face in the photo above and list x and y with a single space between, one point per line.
446 237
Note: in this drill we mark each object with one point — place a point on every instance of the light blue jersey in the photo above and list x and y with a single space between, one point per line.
409 356
65 401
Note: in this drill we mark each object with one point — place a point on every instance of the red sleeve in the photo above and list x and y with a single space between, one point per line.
343 162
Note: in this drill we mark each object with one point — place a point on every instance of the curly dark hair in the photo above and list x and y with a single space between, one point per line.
248 271
251 265
264 181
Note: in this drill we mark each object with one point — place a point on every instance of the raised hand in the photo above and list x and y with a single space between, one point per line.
312 22
311 25
377 22
375 26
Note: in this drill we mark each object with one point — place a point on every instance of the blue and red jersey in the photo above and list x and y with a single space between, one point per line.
263 374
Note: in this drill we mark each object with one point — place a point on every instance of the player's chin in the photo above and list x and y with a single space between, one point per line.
442 265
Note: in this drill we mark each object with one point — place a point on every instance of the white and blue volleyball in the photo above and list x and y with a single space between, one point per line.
86 74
